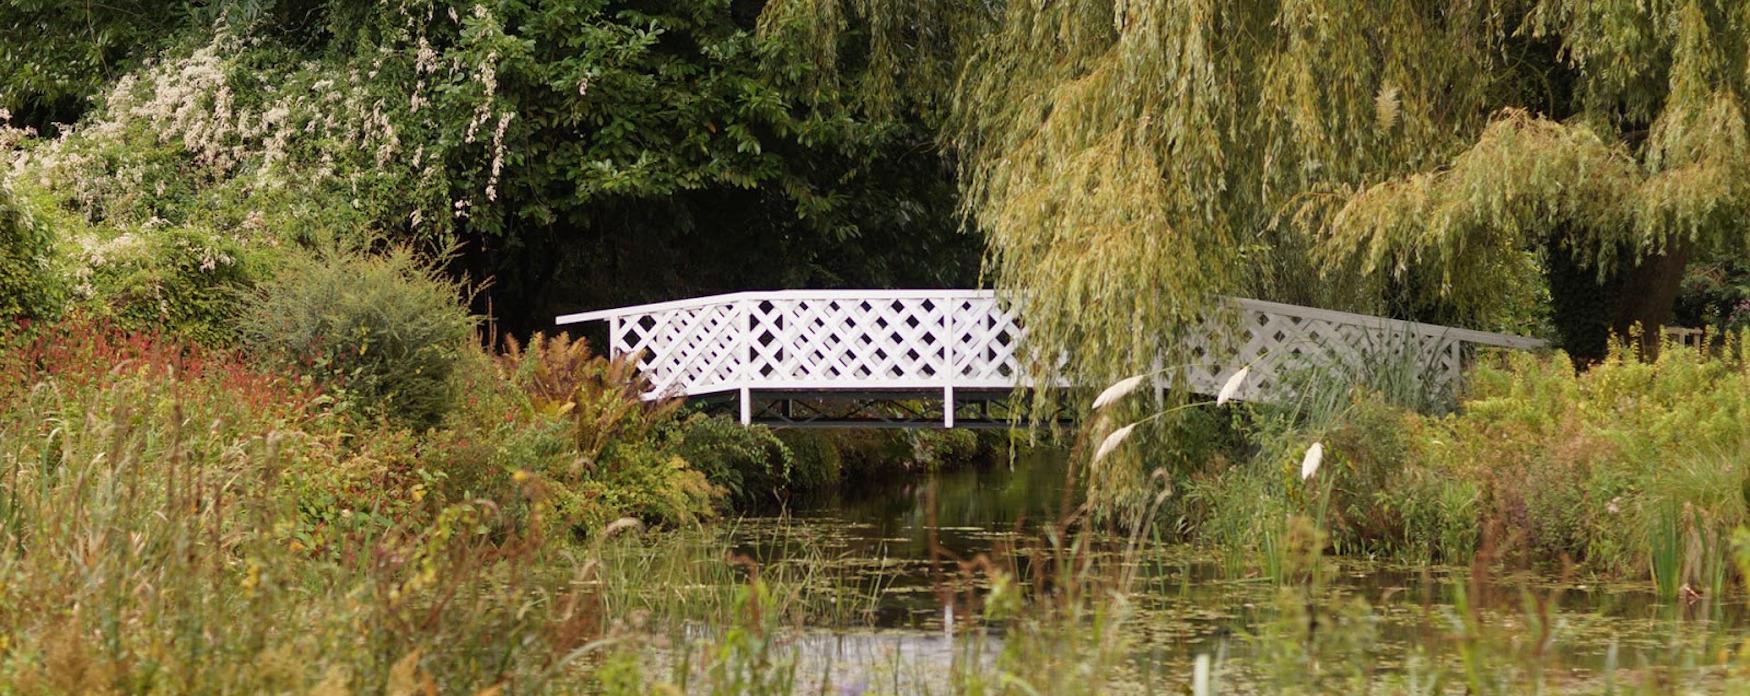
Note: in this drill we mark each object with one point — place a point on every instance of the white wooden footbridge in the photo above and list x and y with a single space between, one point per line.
870 357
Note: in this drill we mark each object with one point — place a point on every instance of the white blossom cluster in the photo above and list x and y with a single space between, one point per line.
308 130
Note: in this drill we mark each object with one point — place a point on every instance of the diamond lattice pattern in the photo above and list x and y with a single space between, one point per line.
966 339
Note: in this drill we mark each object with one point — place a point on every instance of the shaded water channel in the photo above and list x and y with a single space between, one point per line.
902 546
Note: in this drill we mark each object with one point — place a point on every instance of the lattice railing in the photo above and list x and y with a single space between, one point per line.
882 340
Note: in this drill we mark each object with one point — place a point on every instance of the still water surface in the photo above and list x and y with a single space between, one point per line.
902 545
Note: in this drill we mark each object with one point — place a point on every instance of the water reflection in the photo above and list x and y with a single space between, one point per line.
904 544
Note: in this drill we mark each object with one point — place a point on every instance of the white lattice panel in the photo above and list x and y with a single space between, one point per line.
682 349
985 339
961 339
848 342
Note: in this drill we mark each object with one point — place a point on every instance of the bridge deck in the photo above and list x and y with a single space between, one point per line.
927 342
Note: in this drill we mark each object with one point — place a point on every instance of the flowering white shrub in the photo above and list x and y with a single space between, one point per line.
241 145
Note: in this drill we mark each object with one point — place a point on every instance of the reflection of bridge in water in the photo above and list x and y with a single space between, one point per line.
947 358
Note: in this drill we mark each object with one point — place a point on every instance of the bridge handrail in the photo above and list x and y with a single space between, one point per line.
731 297
1488 338
870 341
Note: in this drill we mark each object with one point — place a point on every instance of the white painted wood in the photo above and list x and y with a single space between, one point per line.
926 340
948 407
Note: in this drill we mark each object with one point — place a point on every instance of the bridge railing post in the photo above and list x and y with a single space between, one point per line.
745 372
950 335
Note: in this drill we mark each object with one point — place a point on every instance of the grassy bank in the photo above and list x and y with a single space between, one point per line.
178 518
1633 469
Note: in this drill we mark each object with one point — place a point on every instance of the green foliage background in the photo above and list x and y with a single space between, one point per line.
1541 166
29 284
582 153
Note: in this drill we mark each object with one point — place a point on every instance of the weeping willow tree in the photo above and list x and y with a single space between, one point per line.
1643 163
1129 160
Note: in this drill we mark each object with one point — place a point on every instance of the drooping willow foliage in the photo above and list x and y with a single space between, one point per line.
1130 159
1653 160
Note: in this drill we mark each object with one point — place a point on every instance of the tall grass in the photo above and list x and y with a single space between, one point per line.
176 520
1632 469
162 534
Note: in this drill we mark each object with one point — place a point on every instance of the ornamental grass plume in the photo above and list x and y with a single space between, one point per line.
1123 387
1117 391
1232 386
1309 464
1112 441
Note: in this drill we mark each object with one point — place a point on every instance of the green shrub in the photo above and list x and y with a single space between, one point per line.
1588 465
1633 467
873 455
749 463
141 271
936 450
385 328
554 413
1367 453
186 280
815 461
30 285
1239 510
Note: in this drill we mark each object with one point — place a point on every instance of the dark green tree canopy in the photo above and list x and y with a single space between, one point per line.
584 152
1125 159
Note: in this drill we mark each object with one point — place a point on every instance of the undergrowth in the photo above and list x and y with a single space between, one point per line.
1638 467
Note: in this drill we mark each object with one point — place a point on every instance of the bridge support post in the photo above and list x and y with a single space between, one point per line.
948 407
746 406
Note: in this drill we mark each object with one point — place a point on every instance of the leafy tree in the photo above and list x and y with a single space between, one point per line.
670 148
57 53
603 152
1130 159
586 152
1716 294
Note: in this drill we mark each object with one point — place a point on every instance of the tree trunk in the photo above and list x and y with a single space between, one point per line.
1588 313
1648 295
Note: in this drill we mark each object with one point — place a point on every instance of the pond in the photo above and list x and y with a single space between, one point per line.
905 548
